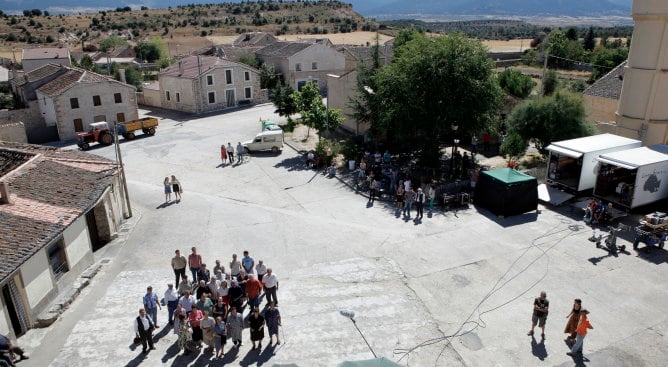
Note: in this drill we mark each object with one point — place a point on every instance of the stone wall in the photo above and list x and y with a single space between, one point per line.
15 132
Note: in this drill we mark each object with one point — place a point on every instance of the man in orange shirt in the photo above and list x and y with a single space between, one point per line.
581 330
253 289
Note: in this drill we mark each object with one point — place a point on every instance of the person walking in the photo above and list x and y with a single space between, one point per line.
151 305
177 188
144 327
273 320
230 153
270 282
409 198
583 325
373 190
256 326
223 154
540 309
168 190
194 262
419 204
235 326
219 336
573 319
240 152
172 298
260 269
474 144
184 334
179 264
235 266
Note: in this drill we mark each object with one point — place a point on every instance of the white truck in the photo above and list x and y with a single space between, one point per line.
573 163
633 177
266 140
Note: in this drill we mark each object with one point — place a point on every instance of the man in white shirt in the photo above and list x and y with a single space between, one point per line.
172 299
187 302
144 327
270 282
260 269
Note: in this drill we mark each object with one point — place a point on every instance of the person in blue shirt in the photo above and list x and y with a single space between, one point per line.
248 263
151 305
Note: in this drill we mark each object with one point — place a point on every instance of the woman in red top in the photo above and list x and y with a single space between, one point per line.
194 317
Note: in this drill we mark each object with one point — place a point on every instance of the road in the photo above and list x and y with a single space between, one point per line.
411 284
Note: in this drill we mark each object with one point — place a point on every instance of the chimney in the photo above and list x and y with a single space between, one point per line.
121 73
4 193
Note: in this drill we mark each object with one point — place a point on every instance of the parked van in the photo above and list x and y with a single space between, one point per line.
266 140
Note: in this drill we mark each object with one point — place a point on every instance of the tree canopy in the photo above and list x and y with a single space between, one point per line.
516 83
313 111
110 42
551 118
432 85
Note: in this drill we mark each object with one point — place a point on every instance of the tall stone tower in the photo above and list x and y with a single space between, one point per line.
643 106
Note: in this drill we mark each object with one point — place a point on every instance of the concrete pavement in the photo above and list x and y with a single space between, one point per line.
412 284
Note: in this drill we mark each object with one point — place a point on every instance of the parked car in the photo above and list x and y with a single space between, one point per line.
266 140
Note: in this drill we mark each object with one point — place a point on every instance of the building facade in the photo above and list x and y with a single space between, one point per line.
48 239
198 84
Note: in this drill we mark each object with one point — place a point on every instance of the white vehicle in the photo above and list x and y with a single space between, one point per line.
573 164
266 140
634 177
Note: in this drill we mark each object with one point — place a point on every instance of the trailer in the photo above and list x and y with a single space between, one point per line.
573 163
633 177
147 125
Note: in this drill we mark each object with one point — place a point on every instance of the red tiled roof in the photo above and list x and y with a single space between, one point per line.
188 67
72 77
49 189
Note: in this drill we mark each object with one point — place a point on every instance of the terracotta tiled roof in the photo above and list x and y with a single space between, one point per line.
43 71
254 38
188 67
283 49
41 53
609 85
72 77
49 189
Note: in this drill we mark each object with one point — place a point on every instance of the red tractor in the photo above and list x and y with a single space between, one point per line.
99 132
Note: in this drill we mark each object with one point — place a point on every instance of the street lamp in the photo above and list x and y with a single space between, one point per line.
454 148
351 315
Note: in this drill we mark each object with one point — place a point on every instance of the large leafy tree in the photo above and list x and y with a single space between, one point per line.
314 113
432 85
606 59
110 42
552 118
516 83
283 98
565 51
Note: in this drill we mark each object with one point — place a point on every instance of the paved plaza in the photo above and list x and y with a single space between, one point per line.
455 289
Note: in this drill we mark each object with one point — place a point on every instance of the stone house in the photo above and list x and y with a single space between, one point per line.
254 39
601 99
33 58
77 97
48 239
197 84
304 61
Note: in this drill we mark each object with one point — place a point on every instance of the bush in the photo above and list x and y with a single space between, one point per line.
516 83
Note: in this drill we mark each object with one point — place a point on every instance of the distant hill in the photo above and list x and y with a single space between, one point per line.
553 8
385 8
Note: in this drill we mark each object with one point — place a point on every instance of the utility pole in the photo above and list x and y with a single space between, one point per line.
119 160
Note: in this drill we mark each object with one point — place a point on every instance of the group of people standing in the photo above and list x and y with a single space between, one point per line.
576 326
210 309
407 197
172 185
227 153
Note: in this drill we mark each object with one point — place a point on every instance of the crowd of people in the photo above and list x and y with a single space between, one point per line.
209 310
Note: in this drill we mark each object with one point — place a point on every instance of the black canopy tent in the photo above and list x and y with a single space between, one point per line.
506 192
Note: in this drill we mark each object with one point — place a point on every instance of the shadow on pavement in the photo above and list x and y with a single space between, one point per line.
538 349
293 164
164 205
653 254
136 361
511 221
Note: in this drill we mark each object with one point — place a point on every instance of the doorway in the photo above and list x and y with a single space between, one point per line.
15 309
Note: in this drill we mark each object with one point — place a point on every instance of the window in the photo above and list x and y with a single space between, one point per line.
298 67
314 66
74 103
118 98
58 259
228 76
209 80
78 125
212 97
247 75
97 101
248 93
167 96
120 117
178 97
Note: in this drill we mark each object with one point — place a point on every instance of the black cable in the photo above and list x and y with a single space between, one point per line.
495 288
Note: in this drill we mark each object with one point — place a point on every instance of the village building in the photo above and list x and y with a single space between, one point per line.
33 58
56 208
